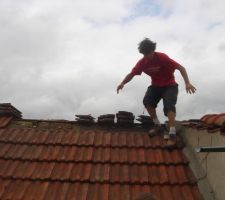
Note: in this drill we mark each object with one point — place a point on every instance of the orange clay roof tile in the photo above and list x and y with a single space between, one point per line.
85 163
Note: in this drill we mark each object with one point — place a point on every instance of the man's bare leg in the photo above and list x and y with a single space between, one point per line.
171 118
171 142
152 112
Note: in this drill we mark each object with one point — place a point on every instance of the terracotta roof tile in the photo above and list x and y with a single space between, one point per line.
212 123
54 171
90 163
54 190
75 138
90 154
4 121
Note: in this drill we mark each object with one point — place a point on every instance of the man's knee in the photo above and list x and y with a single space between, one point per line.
168 109
146 102
150 108
149 104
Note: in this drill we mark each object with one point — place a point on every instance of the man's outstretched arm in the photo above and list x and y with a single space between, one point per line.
125 80
189 87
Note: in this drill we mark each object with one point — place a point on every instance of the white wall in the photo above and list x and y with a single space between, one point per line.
210 166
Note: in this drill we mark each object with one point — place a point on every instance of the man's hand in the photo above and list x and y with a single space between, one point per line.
126 80
190 88
120 87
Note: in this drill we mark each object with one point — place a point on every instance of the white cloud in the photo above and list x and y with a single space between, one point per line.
59 58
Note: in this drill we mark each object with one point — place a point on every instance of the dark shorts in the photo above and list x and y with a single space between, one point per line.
169 95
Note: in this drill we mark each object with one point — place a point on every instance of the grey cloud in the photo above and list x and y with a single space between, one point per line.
63 58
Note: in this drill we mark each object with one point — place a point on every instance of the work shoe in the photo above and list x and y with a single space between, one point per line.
166 136
171 142
170 134
155 130
165 132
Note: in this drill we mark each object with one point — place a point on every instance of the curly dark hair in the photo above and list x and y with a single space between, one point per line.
146 46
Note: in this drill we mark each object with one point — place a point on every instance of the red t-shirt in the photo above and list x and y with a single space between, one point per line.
160 68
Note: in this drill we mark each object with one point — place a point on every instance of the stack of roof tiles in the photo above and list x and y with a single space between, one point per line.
85 119
62 160
107 119
125 118
145 120
210 122
6 109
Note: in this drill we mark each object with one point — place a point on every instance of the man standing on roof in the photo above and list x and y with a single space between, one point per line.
161 70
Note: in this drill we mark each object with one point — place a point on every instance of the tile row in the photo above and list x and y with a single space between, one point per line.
96 173
81 138
91 154
26 190
4 121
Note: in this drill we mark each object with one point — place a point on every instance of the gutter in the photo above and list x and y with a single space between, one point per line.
210 149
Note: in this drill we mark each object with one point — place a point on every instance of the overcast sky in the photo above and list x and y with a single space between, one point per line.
59 58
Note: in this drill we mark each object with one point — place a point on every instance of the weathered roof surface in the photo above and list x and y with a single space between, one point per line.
4 121
212 123
63 160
